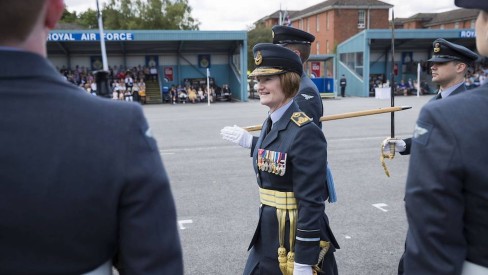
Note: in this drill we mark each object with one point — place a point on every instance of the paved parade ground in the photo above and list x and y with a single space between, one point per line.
216 194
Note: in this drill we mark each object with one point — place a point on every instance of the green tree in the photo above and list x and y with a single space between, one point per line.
88 19
68 17
256 35
149 15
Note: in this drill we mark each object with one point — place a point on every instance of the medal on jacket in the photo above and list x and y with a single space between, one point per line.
260 158
281 164
267 163
271 162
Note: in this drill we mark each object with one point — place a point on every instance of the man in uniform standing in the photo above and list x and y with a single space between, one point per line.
449 65
343 84
71 199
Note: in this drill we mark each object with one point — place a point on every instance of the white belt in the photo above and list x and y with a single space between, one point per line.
104 269
473 269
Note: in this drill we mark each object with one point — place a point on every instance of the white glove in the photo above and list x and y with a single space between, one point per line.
237 135
302 269
399 144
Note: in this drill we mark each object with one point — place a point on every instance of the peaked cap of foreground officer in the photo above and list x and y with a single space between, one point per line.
445 51
271 59
290 35
472 4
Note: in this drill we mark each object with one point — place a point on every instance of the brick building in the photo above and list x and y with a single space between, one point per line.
334 21
453 19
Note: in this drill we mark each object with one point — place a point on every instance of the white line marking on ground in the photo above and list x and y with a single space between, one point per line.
380 206
180 223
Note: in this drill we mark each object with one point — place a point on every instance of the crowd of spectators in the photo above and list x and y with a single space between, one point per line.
127 83
130 85
197 93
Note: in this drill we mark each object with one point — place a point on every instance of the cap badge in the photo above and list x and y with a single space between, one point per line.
437 47
258 59
272 34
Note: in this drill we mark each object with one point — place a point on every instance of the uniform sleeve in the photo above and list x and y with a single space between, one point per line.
408 146
310 103
148 239
434 199
309 158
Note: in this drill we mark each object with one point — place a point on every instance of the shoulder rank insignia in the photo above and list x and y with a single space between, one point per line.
300 118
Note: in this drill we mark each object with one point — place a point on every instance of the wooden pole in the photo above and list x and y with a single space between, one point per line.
346 115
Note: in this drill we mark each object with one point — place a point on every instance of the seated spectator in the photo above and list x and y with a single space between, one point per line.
129 81
135 91
173 94
226 94
141 85
121 89
402 88
182 95
212 93
93 86
201 96
192 94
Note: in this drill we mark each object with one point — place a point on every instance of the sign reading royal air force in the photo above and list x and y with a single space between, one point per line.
88 36
468 34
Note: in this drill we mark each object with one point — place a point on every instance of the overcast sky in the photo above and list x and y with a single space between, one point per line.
239 15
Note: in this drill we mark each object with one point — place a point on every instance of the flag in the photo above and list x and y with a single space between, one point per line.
286 19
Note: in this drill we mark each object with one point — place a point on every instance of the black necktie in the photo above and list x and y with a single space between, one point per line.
438 96
269 123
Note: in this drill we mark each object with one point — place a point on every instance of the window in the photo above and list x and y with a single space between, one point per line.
456 25
442 26
361 19
317 23
327 51
318 48
308 24
472 24
354 61
327 21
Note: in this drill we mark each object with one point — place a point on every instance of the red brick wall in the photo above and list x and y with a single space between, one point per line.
342 25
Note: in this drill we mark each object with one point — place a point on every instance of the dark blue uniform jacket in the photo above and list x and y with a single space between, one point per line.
81 180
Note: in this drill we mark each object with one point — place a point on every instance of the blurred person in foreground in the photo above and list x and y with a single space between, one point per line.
71 200
447 186
293 233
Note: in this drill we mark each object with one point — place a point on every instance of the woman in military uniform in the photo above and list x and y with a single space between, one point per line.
293 235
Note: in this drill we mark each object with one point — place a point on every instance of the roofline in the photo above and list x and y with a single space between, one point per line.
450 21
349 7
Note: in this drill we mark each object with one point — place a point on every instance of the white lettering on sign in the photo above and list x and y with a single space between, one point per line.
61 37
468 34
56 36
